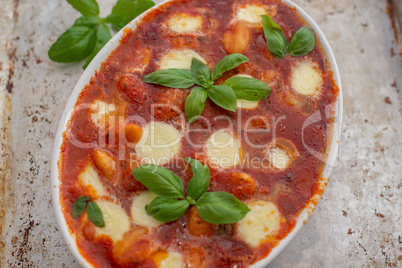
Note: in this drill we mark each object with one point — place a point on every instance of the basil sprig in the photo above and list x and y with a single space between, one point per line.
221 208
85 7
222 95
126 10
90 33
102 36
301 44
175 78
161 181
276 40
94 213
213 207
246 88
200 181
195 102
167 209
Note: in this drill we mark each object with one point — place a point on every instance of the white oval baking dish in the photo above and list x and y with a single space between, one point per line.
96 64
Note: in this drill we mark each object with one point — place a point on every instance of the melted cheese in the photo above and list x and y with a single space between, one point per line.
243 75
184 23
180 59
251 13
159 143
245 104
173 260
281 153
90 179
223 149
261 223
138 213
279 158
306 79
115 218
102 113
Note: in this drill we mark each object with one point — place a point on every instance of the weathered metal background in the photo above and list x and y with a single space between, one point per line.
356 224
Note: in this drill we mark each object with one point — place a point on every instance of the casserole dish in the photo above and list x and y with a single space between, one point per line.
292 161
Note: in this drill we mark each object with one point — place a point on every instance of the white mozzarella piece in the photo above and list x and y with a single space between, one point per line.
223 149
261 223
279 158
115 218
306 79
138 213
184 23
102 113
281 153
243 75
173 260
246 104
90 179
159 143
180 59
251 13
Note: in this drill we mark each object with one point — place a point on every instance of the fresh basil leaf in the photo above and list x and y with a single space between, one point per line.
194 104
276 40
89 21
85 7
116 21
125 11
247 88
103 35
200 72
223 96
200 181
228 63
302 42
221 208
175 78
79 205
159 180
167 209
95 214
75 44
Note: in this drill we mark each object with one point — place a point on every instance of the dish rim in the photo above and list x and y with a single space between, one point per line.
96 64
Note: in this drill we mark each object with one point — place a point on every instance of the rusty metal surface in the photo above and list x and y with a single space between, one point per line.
356 224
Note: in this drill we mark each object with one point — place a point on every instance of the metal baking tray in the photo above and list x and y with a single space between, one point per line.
357 222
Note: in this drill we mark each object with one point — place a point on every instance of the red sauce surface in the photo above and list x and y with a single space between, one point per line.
119 82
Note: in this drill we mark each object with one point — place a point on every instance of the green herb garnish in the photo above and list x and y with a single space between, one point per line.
301 44
222 95
90 33
276 40
79 205
213 207
94 213
246 88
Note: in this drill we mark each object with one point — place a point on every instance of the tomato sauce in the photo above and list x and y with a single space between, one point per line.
119 81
